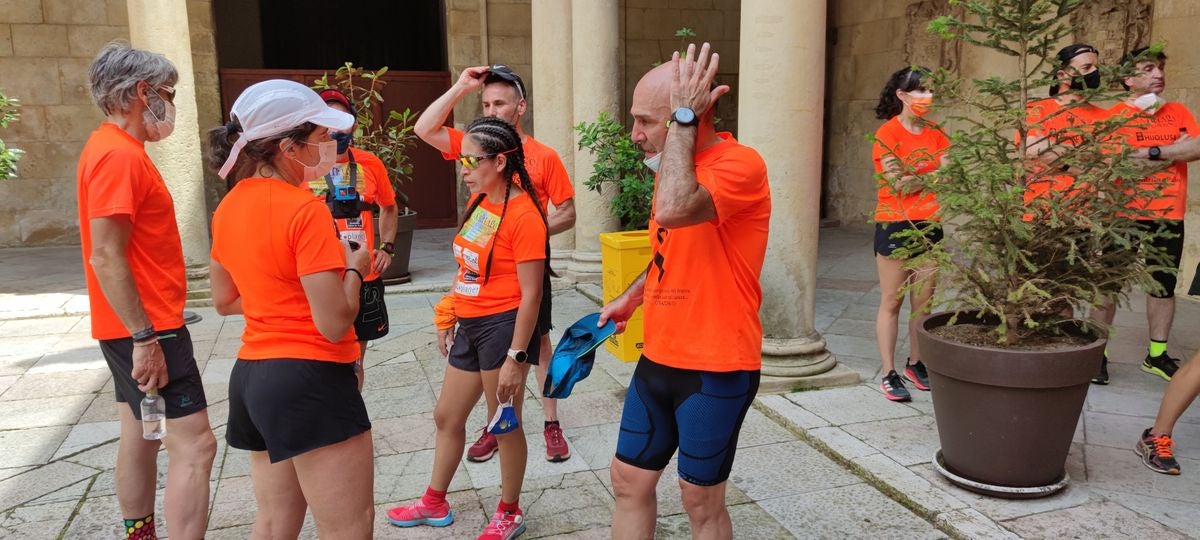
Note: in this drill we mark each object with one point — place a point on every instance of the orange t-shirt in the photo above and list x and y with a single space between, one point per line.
519 237
702 293
1046 118
373 187
1161 129
546 169
920 152
267 234
116 177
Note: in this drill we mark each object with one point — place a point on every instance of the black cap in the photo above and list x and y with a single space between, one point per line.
1068 53
501 72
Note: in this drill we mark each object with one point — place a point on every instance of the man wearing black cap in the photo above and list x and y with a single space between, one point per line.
358 181
505 97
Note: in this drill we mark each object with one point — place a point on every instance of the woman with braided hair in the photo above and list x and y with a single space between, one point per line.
501 250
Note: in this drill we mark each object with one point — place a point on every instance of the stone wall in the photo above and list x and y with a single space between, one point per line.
45 49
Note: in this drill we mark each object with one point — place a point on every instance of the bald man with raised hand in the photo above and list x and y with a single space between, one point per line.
699 371
504 96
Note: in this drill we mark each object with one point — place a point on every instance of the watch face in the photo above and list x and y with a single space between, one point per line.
1155 152
685 116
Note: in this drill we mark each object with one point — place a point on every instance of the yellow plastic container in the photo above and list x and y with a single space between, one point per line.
624 256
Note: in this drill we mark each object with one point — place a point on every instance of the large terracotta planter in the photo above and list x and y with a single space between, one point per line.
1005 417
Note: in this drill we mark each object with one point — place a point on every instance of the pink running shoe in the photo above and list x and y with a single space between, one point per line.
504 526
417 513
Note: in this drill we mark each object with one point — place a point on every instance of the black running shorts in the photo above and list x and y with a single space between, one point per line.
184 394
482 343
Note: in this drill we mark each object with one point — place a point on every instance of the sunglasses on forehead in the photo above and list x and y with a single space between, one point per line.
470 163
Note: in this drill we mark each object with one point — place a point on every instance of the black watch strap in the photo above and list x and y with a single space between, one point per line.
388 247
1155 153
144 334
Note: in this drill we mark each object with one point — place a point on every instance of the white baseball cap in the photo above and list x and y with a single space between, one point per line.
275 106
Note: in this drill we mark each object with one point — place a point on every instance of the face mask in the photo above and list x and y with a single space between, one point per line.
1091 81
1148 102
160 127
328 151
343 141
921 103
653 162
505 419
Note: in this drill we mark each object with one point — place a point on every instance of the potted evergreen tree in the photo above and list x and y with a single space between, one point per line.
1010 363
391 139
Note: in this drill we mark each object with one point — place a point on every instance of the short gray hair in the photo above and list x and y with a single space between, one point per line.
118 68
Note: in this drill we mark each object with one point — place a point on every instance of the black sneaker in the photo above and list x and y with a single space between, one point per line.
1156 453
1102 377
918 375
1162 365
893 387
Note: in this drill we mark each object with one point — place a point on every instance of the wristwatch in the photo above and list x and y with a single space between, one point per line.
388 247
1155 153
143 334
520 356
684 116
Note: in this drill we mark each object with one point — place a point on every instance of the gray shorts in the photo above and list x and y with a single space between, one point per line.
482 343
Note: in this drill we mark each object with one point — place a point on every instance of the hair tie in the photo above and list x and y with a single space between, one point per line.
232 127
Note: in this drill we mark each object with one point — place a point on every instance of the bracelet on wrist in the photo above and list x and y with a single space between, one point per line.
146 343
144 334
355 270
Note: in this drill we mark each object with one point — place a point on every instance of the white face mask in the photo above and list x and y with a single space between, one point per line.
1148 102
653 162
328 151
159 128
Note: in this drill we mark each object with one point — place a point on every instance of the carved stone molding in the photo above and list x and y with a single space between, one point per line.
1114 27
925 49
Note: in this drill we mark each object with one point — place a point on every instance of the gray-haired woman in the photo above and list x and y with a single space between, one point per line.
133 259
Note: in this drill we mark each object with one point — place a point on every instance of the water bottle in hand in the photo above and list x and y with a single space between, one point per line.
154 416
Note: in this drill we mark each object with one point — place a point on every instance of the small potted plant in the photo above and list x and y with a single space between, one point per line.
618 166
1010 363
389 137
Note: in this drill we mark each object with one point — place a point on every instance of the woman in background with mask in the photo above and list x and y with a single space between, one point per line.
907 148
293 398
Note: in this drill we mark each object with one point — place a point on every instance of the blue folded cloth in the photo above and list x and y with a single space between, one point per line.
573 357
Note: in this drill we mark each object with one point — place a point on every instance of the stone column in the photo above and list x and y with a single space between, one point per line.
162 26
791 34
552 99
596 81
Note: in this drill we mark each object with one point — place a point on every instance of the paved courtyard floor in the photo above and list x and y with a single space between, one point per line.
833 463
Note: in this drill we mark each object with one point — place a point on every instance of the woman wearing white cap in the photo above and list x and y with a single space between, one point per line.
293 398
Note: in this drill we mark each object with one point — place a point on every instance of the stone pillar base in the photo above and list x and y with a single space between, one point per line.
199 289
584 267
791 364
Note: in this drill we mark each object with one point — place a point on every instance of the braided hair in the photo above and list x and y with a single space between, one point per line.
496 136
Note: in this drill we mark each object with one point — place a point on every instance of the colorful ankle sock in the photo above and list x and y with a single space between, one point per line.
140 528
512 507
1157 348
434 497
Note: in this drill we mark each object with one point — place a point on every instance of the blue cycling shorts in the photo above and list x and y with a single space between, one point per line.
700 413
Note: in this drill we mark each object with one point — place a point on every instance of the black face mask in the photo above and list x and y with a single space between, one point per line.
1091 81
343 141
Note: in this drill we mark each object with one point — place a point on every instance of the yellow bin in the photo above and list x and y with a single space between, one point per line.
624 256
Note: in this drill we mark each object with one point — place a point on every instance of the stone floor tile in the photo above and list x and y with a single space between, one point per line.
487 474
6 382
399 401
784 469
33 446
909 440
844 444
758 430
403 434
81 359
867 368
1121 470
234 503
858 511
851 327
919 490
600 407
1179 515
851 404
560 505
88 435
37 482
1120 398
405 476
1120 431
42 412
41 327
1003 509
857 345
781 409
469 520
595 445
240 532
37 521
1093 520
749 521
71 493
601 533
235 463
393 376
102 409
970 523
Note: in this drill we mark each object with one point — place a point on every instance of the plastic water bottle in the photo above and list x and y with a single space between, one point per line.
154 416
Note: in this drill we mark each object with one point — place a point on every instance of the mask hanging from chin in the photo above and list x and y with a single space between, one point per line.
653 162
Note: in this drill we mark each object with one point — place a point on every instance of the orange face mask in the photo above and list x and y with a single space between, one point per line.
921 105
